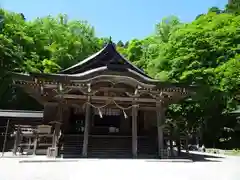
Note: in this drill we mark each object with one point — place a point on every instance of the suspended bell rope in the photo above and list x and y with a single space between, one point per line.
97 107
100 107
110 101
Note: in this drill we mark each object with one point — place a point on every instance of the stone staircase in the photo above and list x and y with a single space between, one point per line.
72 146
109 147
147 147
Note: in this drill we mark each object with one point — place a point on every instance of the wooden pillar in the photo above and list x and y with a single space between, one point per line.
29 143
160 120
186 143
86 130
56 134
57 128
35 144
171 143
5 138
134 131
91 117
178 144
16 141
59 120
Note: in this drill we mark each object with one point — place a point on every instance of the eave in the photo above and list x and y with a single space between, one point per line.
107 54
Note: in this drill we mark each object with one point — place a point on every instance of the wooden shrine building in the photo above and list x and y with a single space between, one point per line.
103 104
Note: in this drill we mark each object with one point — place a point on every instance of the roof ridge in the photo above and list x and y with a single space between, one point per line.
108 48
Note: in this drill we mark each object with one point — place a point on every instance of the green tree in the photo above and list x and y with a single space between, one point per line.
43 45
120 44
215 10
166 27
203 52
233 6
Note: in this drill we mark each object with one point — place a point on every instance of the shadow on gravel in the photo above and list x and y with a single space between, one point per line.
190 157
205 158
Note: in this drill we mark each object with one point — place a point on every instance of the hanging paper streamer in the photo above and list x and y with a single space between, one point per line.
125 115
100 113
60 87
42 89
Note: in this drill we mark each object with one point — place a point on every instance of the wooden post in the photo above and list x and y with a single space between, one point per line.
86 131
186 145
55 139
57 128
35 144
178 144
5 138
171 144
29 143
134 131
16 142
160 119
56 134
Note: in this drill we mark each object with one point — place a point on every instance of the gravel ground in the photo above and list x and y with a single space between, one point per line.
227 169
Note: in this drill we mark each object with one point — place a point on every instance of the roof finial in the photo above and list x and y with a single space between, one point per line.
110 39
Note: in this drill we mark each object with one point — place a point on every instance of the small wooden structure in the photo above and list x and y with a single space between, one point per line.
105 91
22 128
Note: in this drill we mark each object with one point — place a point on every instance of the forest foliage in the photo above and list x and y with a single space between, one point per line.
205 52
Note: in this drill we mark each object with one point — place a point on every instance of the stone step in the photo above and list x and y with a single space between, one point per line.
109 151
109 147
109 155
72 146
72 149
71 156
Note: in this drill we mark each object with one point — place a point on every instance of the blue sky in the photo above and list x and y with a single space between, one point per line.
120 19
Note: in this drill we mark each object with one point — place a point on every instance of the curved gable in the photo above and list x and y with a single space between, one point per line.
104 57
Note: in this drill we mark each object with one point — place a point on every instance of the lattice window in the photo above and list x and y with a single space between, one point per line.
108 112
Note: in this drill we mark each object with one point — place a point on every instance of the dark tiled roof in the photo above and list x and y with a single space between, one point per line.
103 57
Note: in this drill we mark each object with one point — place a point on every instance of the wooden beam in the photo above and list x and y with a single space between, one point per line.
104 98
101 102
142 106
117 89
